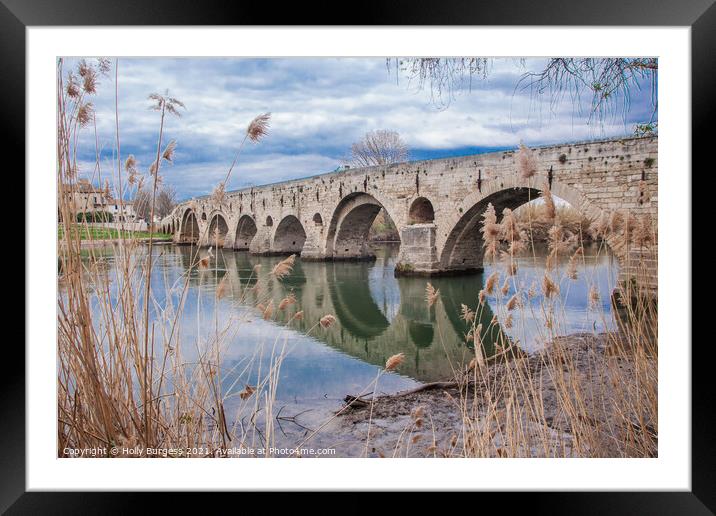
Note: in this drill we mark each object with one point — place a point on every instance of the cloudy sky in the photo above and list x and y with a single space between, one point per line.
319 107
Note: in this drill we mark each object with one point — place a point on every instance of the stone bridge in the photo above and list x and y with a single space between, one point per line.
437 206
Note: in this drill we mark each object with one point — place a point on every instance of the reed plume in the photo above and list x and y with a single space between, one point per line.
327 321
491 282
218 195
247 392
168 154
491 232
549 287
559 242
284 267
394 361
616 222
532 291
287 301
89 78
513 233
466 314
505 287
204 261
550 209
85 113
258 128
642 233
514 302
573 260
431 294
73 87
526 162
600 227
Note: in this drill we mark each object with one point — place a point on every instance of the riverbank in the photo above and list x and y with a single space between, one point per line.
105 242
560 409
93 233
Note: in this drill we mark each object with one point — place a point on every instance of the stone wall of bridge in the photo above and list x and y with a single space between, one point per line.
436 204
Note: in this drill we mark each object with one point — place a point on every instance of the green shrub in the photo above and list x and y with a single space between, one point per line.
95 216
403 267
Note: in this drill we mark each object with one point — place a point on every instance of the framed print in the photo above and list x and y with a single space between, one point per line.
417 252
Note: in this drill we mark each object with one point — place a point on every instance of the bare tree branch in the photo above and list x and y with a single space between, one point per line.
608 82
380 147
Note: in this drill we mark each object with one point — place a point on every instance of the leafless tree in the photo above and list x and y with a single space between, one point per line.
607 83
380 147
166 201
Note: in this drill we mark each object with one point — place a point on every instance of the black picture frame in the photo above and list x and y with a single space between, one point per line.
700 15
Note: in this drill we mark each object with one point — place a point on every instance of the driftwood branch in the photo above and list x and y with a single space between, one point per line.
425 387
357 402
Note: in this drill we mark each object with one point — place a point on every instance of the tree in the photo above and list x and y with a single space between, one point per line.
608 83
166 201
380 147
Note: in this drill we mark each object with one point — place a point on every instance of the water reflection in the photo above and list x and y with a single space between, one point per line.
377 315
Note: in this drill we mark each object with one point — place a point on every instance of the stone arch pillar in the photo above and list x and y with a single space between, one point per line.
315 236
261 244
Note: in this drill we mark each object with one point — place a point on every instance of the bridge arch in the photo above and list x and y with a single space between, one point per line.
289 236
421 211
347 237
189 227
354 304
218 228
245 232
463 247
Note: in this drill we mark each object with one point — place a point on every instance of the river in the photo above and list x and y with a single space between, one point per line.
377 315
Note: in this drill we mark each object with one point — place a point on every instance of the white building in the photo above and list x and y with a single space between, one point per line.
87 198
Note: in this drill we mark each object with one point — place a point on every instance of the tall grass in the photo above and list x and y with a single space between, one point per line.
124 381
537 220
586 395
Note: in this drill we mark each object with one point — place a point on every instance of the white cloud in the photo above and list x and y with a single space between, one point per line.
319 107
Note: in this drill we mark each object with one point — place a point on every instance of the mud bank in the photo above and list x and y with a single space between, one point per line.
452 420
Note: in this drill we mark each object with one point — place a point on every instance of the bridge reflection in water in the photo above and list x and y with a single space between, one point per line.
377 315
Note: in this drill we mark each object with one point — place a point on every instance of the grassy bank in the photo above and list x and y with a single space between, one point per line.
84 232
